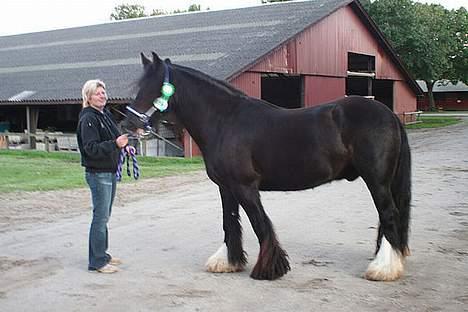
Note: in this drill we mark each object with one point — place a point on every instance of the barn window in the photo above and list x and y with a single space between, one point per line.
361 79
361 72
282 90
361 63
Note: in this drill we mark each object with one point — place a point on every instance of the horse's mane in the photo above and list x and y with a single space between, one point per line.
215 82
222 84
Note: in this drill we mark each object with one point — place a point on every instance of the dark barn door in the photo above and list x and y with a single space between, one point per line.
282 90
383 91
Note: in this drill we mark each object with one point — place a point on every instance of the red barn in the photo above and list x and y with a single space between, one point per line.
341 53
447 96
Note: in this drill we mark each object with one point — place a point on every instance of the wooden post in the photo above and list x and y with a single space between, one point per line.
28 125
32 117
143 147
46 141
3 142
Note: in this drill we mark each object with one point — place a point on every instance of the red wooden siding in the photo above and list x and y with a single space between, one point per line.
323 49
318 89
281 60
190 147
325 46
404 101
249 83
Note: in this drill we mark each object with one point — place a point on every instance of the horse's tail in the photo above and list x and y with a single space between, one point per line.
401 190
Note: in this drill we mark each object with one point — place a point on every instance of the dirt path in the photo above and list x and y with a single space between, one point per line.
165 229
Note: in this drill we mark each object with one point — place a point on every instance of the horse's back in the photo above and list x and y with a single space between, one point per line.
359 111
363 120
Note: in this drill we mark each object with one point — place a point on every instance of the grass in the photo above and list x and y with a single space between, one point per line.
22 170
433 122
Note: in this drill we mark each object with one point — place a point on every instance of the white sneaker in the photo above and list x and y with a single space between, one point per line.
108 268
115 261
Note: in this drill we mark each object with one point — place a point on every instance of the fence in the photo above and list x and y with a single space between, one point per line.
59 141
45 141
411 117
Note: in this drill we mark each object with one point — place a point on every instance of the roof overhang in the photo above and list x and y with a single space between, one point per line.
111 101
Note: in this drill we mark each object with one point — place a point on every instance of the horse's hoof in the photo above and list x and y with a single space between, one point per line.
387 265
272 262
383 275
218 262
269 275
280 268
223 267
261 276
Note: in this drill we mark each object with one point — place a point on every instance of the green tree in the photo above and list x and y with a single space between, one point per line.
459 25
157 12
366 4
126 11
431 40
194 7
191 8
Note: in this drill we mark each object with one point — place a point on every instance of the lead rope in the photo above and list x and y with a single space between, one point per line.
126 155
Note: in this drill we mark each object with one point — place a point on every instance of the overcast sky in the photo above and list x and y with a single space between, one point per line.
24 16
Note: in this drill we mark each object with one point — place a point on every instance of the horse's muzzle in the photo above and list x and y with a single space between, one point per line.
135 126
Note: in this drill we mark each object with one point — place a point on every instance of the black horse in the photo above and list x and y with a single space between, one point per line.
250 145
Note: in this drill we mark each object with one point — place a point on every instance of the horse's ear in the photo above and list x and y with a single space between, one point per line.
156 59
145 60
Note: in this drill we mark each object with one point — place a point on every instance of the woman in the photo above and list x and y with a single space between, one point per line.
100 143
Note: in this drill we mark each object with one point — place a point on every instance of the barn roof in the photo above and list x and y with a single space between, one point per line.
53 65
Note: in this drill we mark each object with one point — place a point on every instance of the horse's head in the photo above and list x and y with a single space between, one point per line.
155 91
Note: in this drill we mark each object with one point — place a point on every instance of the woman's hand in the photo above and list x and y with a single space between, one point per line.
122 140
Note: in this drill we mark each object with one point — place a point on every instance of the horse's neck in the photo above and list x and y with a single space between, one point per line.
202 107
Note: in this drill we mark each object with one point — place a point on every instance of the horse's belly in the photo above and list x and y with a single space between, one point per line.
285 188
292 182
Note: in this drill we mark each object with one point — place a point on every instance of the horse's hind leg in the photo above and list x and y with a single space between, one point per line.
388 262
272 261
230 257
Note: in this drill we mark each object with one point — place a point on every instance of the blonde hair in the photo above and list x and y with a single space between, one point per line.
89 88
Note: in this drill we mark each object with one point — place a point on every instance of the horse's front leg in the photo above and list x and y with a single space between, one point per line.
230 257
272 261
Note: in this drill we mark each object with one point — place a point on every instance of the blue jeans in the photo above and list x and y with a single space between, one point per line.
102 185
